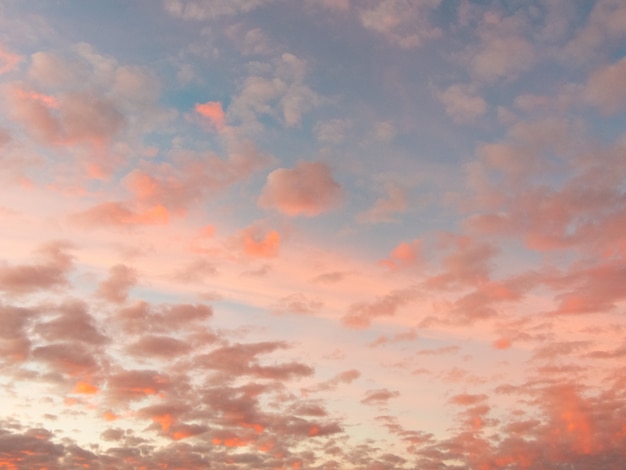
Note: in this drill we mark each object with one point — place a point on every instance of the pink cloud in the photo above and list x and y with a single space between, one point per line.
298 304
258 243
72 118
119 214
402 23
605 88
308 189
50 273
212 110
8 60
361 314
405 255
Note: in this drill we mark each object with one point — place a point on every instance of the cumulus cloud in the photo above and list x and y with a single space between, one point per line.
308 189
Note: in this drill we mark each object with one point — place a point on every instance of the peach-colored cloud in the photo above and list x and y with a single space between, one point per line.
504 51
191 177
8 60
212 110
307 189
405 255
258 243
119 214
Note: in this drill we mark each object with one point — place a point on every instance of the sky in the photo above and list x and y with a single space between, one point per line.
312 234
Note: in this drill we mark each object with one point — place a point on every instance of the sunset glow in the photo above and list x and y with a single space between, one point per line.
313 234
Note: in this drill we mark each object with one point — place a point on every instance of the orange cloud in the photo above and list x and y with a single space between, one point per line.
259 245
85 388
212 110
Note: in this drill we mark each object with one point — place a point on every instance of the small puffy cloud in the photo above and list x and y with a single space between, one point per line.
308 189
462 103
213 112
115 288
606 89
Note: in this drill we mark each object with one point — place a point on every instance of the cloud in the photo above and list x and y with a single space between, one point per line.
332 131
379 397
115 288
8 60
604 89
72 323
462 103
211 9
361 314
277 90
71 118
403 23
258 243
308 189
213 112
503 54
298 304
393 202
405 255
191 177
119 214
606 22
50 273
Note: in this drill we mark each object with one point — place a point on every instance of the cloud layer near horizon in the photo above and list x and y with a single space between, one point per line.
313 235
